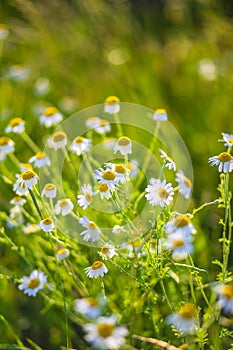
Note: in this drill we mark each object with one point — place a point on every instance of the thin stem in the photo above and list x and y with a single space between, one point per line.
119 127
29 142
36 204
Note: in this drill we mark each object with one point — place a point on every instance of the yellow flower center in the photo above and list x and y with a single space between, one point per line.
108 175
224 157
112 99
187 182
104 122
50 187
91 225
50 111
182 220
230 140
41 155
47 221
92 302
3 27
61 251
105 329
33 283
178 243
15 121
96 265
17 198
28 175
124 141
103 187
160 111
228 291
79 139
64 203
4 141
120 169
59 136
104 250
26 165
187 311
163 193
88 197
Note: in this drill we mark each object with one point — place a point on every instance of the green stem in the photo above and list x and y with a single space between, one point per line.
30 142
36 203
119 127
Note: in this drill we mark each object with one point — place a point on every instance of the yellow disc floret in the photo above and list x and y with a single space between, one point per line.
96 265
224 157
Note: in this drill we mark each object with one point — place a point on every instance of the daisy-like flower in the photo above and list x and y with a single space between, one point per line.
16 125
25 167
134 168
68 104
18 72
40 159
93 122
160 114
42 86
50 116
159 192
228 139
6 145
47 225
185 184
180 223
31 228
180 245
104 191
18 201
32 284
123 145
118 229
122 174
58 140
103 127
107 251
25 181
224 161
63 207
106 177
104 334
62 253
80 145
3 31
88 307
112 105
85 199
224 298
49 191
97 269
185 319
92 233
169 162
16 214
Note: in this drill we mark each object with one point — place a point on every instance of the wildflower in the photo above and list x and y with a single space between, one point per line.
104 191
123 145
122 174
118 229
106 177
185 319
80 145
63 207
224 161
58 140
18 72
47 225
185 184
97 269
112 105
126 249
25 167
88 307
31 228
18 201
92 233
68 104
42 86
180 245
25 181
104 334
3 31
134 168
85 199
93 122
107 251
16 214
40 159
62 253
159 192
50 116
32 284
160 114
6 145
180 223
2 156
49 191
207 69
224 298
169 162
103 127
228 138
16 125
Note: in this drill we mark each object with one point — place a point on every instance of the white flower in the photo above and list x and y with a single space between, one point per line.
123 145
85 199
40 159
25 181
224 161
18 201
122 174
104 191
104 334
80 145
16 214
25 167
118 229
103 127
32 284
112 105
47 225
224 298
49 191
3 31
97 269
185 184
92 233
31 228
169 162
18 72
42 86
180 245
88 307
160 114
50 116
16 125
63 207
106 177
228 138
68 104
62 253
159 192
6 145
93 122
185 320
180 223
107 251
58 140
2 156
134 168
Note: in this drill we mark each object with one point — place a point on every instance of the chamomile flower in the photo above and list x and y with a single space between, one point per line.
16 215
169 162
50 116
180 223
63 207
47 225
40 160
104 191
16 125
31 228
32 284
92 233
228 139
42 86
160 114
180 245
97 269
25 167
18 72
224 161
106 177
80 145
62 253
103 127
88 307
117 229
3 31
58 140
85 199
224 298
159 192
25 181
112 105
93 122
104 334
18 201
107 251
49 191
123 145
184 183
122 174
134 168
185 319
6 145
